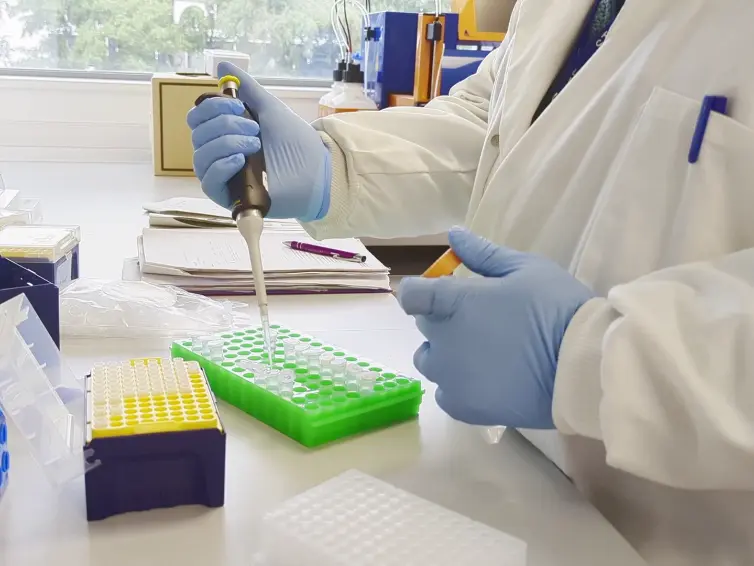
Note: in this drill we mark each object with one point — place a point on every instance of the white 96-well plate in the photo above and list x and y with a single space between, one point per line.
357 520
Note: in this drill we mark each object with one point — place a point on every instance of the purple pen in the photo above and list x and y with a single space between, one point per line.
329 252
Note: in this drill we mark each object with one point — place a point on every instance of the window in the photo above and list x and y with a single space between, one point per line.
285 38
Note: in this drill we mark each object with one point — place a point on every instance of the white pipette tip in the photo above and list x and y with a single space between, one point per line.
250 223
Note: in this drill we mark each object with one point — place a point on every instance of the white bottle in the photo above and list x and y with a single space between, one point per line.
352 98
335 89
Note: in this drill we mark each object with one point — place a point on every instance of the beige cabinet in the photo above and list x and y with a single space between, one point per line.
172 97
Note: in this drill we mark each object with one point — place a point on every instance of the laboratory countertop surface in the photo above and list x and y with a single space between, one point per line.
510 486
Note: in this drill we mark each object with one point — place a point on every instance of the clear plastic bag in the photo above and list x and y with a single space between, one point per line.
135 309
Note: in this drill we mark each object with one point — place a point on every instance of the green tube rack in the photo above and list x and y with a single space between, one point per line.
316 409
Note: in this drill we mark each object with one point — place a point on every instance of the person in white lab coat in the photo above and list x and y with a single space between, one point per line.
626 317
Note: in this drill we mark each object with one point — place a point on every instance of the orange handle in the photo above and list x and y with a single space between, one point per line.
446 264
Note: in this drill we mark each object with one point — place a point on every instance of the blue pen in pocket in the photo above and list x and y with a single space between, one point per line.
710 104
4 454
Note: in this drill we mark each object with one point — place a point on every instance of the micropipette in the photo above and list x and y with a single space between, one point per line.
251 203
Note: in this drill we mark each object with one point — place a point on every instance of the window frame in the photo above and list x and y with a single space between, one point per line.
286 82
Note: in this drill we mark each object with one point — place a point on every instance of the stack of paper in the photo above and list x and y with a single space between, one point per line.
188 212
216 261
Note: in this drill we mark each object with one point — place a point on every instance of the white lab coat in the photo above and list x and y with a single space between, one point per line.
654 394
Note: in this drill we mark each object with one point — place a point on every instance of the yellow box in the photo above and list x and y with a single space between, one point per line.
172 97
149 395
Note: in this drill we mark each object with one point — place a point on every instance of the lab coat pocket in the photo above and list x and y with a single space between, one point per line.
658 209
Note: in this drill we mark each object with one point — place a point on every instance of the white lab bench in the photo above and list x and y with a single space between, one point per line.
510 486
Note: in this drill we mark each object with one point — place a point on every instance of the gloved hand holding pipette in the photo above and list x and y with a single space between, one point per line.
298 162
246 190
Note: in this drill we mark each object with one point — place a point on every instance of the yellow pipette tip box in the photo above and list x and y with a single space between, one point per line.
147 396
154 429
50 243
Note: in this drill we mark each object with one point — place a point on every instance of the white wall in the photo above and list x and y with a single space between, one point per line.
45 119
87 121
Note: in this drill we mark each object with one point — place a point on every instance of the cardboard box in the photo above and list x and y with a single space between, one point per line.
172 97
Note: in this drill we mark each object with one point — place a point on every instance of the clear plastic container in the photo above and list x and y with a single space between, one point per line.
350 97
40 395
12 218
7 196
38 242
31 207
128 309
335 89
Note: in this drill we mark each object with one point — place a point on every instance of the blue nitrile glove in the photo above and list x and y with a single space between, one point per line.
298 162
492 342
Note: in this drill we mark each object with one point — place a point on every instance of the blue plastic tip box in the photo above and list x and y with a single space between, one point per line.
43 295
153 425
52 252
146 433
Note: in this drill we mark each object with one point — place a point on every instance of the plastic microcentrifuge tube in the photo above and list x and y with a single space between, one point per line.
325 361
289 347
286 391
353 370
301 354
312 359
338 367
368 381
260 369
206 347
260 379
287 377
